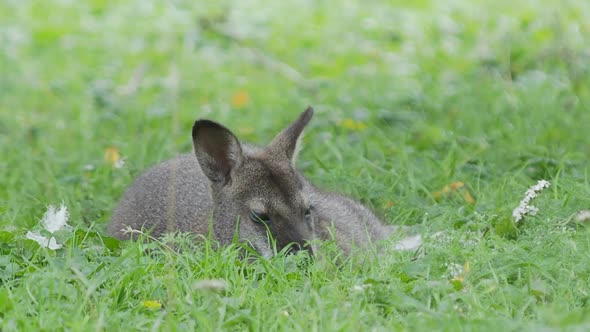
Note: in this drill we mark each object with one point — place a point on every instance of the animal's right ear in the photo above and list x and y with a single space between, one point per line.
218 151
286 143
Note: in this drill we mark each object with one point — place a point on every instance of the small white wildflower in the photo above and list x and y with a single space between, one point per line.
53 220
469 239
361 288
441 238
466 239
454 270
583 215
524 207
216 285
119 163
409 243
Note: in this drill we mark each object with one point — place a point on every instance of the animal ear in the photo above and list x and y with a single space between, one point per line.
218 151
286 143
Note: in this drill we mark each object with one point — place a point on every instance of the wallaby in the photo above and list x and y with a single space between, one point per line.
256 190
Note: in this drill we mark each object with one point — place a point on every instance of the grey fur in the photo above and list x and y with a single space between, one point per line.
227 180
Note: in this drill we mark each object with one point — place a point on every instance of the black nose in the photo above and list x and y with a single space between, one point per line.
296 247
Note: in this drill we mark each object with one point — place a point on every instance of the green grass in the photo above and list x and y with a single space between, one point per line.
409 98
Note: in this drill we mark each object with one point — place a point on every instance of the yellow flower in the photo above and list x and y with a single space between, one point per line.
112 156
353 124
464 272
456 187
240 99
151 304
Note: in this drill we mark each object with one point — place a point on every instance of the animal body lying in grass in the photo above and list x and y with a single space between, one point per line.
235 188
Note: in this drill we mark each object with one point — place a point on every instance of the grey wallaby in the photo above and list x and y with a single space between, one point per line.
257 190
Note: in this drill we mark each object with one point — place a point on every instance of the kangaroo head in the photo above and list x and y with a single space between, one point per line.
259 187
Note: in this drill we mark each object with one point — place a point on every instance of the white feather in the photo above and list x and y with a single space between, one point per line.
409 243
55 219
43 241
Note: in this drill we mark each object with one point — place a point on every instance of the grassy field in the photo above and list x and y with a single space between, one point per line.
438 114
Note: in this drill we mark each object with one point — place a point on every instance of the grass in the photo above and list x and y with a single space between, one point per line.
410 98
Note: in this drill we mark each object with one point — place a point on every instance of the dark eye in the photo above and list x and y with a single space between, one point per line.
308 213
258 216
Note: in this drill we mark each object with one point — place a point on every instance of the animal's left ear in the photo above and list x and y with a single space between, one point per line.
218 151
286 143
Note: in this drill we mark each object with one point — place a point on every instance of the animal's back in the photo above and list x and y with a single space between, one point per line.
171 196
345 220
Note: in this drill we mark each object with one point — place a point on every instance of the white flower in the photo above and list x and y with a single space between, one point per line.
442 238
119 163
524 208
53 221
216 285
454 270
583 215
361 288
